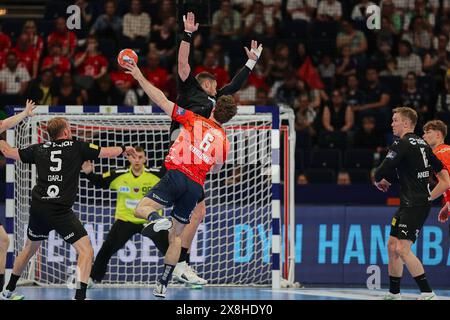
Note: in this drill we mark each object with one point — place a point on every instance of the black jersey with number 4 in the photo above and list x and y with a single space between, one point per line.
414 161
58 164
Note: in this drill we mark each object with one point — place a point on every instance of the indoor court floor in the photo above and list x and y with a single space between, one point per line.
220 293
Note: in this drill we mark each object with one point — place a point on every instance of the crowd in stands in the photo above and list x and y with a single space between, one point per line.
340 77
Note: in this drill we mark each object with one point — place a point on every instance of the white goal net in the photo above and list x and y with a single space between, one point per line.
233 244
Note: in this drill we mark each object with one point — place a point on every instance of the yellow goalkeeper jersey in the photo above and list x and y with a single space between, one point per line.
130 189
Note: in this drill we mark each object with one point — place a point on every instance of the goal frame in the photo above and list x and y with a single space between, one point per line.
280 269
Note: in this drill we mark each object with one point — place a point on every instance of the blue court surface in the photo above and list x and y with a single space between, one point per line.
220 293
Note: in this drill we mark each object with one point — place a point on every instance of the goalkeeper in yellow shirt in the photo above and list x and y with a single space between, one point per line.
131 184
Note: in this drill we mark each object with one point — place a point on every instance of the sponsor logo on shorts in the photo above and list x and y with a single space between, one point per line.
124 189
155 196
403 226
182 219
32 234
405 232
70 235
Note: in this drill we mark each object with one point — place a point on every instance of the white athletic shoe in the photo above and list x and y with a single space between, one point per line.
184 273
160 290
155 226
91 283
11 295
428 296
392 296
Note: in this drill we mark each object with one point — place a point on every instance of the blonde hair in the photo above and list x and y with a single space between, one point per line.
407 113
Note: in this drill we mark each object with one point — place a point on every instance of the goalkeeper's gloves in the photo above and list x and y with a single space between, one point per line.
257 51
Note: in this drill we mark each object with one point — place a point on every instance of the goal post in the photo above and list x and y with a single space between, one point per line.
240 241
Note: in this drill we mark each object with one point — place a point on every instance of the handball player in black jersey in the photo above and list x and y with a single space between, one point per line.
58 163
412 160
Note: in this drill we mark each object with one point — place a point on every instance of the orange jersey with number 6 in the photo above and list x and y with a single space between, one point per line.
201 144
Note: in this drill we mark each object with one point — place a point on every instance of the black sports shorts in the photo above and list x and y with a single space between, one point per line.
177 190
408 221
45 218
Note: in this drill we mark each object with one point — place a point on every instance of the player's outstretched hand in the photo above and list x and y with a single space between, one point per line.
443 213
255 51
189 23
29 108
87 167
383 185
133 69
3 146
130 151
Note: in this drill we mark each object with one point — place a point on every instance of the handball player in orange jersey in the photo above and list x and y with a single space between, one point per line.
435 132
201 146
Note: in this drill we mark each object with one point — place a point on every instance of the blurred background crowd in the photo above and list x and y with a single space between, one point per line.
341 78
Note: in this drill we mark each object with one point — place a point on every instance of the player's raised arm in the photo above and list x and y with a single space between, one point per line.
112 152
98 180
8 151
156 95
184 69
12 121
238 81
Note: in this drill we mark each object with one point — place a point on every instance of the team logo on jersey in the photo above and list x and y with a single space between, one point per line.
391 154
124 189
180 111
136 189
47 144
93 146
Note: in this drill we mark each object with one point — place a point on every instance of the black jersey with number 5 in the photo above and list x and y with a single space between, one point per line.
58 164
414 161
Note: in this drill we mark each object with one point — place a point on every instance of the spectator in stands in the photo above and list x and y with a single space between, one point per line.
58 63
343 178
436 63
165 11
391 68
62 35
302 179
280 66
226 23
414 97
300 55
387 33
42 89
35 40
380 58
354 96
351 37
376 100
109 24
305 116
301 9
104 93
394 16
368 136
327 68
337 121
211 65
156 75
87 15
90 64
345 65
13 78
422 10
445 30
408 61
27 56
136 26
259 26
420 35
68 93
329 10
359 10
164 41
288 91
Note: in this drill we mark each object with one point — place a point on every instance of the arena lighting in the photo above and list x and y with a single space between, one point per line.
3 11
